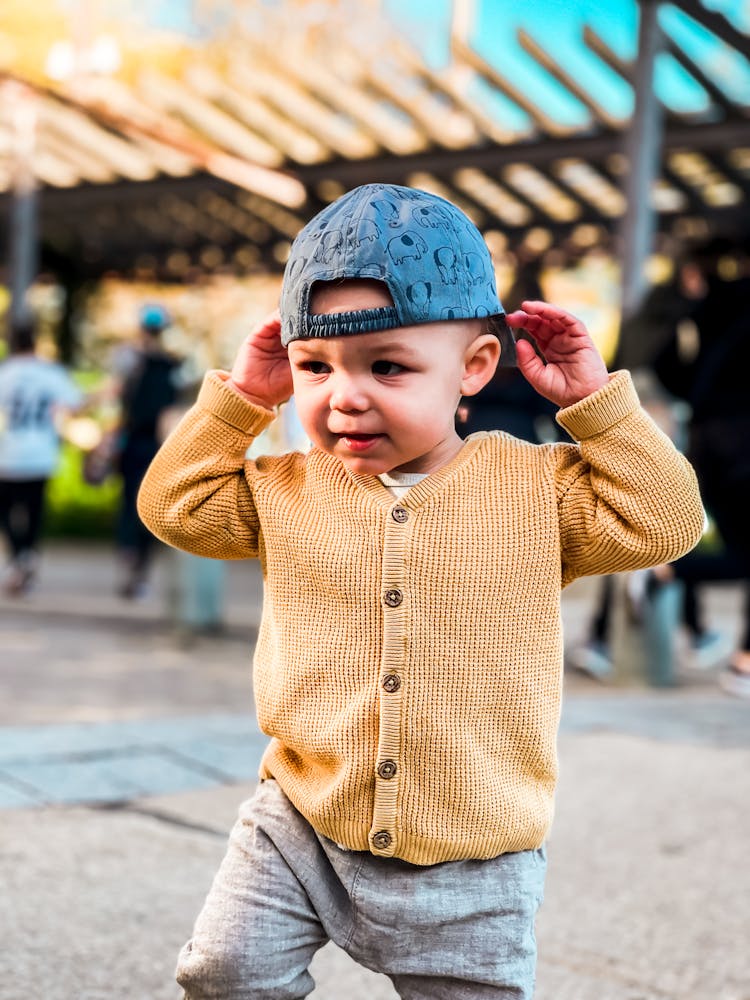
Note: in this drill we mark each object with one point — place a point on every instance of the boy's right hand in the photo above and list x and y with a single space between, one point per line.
261 371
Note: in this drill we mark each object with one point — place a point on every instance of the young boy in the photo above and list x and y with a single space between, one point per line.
409 663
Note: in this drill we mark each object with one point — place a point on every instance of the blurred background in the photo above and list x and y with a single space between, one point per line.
157 157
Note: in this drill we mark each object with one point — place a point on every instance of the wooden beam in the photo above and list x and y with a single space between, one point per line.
717 24
452 82
463 53
718 136
600 114
714 92
622 67
694 201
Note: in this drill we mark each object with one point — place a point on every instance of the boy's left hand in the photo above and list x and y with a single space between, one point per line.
574 368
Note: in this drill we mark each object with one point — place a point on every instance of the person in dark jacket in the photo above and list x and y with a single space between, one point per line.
705 362
148 387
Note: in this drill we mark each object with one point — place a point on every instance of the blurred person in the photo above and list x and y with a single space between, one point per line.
195 586
147 384
34 395
648 335
705 361
408 666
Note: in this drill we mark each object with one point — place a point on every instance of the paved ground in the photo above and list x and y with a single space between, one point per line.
125 748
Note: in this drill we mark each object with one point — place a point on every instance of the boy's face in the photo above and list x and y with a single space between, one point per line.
386 400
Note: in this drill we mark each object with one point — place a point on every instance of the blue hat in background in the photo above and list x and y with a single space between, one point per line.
428 253
153 317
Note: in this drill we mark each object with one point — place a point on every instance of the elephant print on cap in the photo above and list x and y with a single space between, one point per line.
451 312
296 266
445 259
408 244
329 245
428 217
475 268
389 212
420 294
364 229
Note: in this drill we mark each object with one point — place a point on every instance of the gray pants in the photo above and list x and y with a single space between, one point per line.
461 930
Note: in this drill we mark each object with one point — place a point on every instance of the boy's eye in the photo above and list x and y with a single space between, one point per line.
315 367
386 368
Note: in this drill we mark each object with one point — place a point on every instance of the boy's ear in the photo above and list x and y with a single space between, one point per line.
480 361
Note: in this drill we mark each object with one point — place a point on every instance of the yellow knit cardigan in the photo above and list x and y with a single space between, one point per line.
408 667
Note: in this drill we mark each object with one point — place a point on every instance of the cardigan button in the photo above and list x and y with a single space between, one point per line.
382 840
393 597
387 769
400 514
391 683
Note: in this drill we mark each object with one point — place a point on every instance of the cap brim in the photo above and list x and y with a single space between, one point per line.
498 325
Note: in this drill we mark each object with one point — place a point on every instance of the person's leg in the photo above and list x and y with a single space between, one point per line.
22 511
735 678
692 613
6 493
258 931
732 563
745 633
600 626
592 656
31 500
462 930
134 540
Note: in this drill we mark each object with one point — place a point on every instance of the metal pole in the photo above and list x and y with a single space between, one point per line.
643 146
23 216
642 644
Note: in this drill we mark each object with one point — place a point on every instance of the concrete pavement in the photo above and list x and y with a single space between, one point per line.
125 749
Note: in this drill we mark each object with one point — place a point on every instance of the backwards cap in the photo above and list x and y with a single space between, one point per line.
428 253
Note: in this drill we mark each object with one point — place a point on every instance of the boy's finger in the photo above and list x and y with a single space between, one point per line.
529 362
546 329
542 312
548 311
271 325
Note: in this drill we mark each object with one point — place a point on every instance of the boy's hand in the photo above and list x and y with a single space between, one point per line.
261 371
574 368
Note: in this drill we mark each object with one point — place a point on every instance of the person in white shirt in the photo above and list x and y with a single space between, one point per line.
33 392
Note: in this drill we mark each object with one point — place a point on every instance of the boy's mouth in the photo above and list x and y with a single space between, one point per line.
359 442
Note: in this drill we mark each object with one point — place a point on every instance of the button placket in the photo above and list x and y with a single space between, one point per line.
387 764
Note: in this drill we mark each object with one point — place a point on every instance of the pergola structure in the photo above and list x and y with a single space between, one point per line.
219 169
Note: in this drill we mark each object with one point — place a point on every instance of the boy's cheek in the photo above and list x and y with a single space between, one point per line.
307 417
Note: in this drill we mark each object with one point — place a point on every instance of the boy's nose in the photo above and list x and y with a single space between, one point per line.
347 395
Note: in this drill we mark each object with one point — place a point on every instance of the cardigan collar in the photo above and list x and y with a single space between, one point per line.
422 491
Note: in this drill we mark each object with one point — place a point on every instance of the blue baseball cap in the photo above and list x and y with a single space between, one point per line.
428 253
153 316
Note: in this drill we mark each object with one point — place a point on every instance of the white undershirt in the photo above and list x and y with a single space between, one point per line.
399 483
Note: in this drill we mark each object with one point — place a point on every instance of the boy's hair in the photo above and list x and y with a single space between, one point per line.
22 336
427 252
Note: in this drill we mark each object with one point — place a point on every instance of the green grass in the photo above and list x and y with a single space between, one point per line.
75 509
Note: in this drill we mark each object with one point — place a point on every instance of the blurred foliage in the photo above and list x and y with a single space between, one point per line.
75 509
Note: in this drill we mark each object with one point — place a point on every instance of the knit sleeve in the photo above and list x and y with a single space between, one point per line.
626 497
197 494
